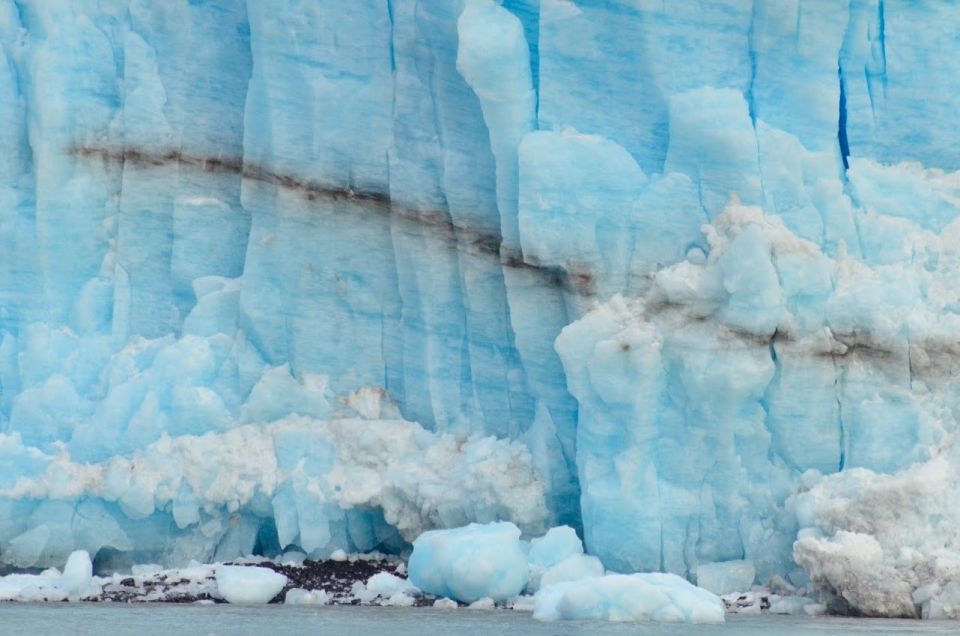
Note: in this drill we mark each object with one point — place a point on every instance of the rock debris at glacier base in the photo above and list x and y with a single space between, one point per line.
218 215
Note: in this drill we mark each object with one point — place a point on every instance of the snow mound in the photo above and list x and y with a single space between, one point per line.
243 584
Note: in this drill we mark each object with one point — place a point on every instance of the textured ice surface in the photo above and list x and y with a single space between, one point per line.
216 215
306 476
886 545
740 372
242 584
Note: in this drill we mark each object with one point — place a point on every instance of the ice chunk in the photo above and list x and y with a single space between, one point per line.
726 577
485 603
629 597
793 605
400 599
882 564
300 596
576 195
573 568
74 583
556 545
558 556
387 586
248 584
470 563
723 159
77 573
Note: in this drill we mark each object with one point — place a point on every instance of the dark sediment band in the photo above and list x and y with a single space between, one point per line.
438 222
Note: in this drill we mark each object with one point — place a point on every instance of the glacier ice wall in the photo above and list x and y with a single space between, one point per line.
216 214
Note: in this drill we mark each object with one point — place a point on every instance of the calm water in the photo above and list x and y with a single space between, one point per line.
89 619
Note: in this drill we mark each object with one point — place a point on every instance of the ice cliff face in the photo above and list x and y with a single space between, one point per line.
737 217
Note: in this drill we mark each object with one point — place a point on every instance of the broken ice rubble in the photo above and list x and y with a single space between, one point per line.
491 562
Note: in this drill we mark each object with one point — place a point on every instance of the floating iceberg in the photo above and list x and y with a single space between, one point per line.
470 563
629 597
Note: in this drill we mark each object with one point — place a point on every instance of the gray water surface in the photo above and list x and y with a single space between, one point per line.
102 619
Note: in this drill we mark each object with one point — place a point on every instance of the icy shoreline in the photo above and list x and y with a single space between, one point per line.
478 566
343 581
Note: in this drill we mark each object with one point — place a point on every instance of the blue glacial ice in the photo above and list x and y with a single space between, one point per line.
557 557
490 562
322 276
653 596
470 563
